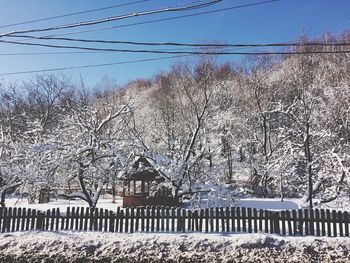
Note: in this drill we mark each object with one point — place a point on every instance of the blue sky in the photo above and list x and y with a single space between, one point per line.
273 22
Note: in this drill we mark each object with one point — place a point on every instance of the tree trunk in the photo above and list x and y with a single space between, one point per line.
309 163
83 187
2 198
113 193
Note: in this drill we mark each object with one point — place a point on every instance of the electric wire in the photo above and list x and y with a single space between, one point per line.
88 66
279 44
73 14
165 19
115 18
177 52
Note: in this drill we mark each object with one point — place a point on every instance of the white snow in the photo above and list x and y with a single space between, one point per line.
74 246
270 203
62 204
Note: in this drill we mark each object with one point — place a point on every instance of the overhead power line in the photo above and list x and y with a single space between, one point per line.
73 14
88 66
177 52
133 61
219 45
116 18
166 19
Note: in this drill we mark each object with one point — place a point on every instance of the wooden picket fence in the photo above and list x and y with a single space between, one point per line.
315 222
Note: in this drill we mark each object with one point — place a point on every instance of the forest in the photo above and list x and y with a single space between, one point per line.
269 126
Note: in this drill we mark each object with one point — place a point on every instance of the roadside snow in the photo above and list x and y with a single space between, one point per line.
116 247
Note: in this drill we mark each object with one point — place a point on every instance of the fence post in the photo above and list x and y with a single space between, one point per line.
40 221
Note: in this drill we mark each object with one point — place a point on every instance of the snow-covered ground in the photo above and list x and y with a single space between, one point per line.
62 204
106 247
270 203
105 202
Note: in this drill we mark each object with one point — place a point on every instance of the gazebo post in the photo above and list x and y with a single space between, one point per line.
142 187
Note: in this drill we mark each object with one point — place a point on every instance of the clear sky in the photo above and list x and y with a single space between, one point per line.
279 21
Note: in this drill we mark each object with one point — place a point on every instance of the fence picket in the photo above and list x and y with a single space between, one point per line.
233 220
162 223
328 220
58 215
24 215
84 218
227 218
201 218
1 217
183 220
178 221
67 218
195 224
283 222
244 225
312 220
222 217
132 218
158 219
167 225
121 219
71 225
33 217
47 218
8 222
153 217
117 219
4 221
111 221
323 222
14 217
142 218
307 222
272 221
137 218
295 222
289 223
206 215
317 221
19 217
255 217
346 221
300 222
261 217
148 215
340 222
238 215
249 210
53 215
334 221
77 218
189 221
99 214
127 216
172 219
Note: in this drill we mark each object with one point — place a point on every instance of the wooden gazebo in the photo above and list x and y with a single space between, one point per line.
140 183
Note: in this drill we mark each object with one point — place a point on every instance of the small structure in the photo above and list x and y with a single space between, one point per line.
139 184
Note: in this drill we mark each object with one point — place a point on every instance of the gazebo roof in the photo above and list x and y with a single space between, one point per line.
143 171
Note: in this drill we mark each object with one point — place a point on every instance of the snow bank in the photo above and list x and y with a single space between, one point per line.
107 247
